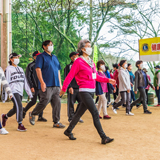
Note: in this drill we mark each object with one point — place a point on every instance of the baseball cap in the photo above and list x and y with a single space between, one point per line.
158 66
73 53
14 55
36 53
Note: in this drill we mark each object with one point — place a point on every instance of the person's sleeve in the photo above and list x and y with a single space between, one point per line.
28 76
39 62
136 82
59 66
158 76
74 70
66 71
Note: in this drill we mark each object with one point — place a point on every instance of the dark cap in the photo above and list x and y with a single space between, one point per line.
14 55
158 66
72 54
36 53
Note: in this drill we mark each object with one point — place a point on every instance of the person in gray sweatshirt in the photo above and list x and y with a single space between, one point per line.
124 87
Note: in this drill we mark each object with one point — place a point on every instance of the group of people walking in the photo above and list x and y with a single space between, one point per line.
43 80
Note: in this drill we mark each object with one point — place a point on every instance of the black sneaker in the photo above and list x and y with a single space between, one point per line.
107 140
147 112
24 114
42 119
70 135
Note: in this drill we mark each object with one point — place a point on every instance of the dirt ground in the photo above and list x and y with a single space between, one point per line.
136 138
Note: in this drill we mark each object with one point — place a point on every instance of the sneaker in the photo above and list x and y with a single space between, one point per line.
106 117
147 112
3 120
114 110
31 118
42 119
100 117
24 114
21 128
130 114
59 125
3 131
107 140
81 121
158 105
70 135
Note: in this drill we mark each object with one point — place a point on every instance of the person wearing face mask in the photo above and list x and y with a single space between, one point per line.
17 82
124 87
49 84
73 90
84 71
141 82
157 83
101 90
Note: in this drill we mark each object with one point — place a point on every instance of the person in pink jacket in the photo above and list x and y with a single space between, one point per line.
84 71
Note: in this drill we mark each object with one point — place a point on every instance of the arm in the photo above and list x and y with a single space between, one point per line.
27 88
150 83
136 82
59 77
123 80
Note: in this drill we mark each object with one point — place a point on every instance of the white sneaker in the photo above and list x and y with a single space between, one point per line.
130 114
3 131
114 110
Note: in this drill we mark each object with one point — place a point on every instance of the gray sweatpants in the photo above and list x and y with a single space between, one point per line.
51 95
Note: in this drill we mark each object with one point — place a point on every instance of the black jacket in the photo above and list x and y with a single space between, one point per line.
73 84
139 80
31 75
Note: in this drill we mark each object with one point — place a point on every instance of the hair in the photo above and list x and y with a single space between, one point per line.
138 62
107 68
129 64
10 63
99 63
115 65
122 62
81 45
45 43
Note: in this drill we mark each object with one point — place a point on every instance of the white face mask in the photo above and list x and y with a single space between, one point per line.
88 51
50 48
16 61
125 66
141 66
102 67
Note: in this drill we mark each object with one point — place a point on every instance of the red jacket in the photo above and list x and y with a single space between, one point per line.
115 76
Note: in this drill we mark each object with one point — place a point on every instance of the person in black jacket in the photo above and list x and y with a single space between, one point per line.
32 79
73 90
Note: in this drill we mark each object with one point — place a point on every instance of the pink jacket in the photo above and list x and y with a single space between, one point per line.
148 87
83 75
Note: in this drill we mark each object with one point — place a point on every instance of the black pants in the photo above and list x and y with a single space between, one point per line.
142 98
87 103
33 102
116 93
17 108
72 98
125 99
147 95
108 97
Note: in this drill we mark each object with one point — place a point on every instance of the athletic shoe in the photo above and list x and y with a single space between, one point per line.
42 119
24 114
21 128
106 117
58 125
3 131
114 110
81 121
31 118
3 120
70 135
107 140
158 105
117 108
147 112
100 117
129 114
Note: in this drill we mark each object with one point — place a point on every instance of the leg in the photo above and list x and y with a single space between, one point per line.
99 104
123 99
104 104
128 96
147 95
118 98
144 98
97 99
158 93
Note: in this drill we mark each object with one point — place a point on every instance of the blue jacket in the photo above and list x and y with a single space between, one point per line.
132 77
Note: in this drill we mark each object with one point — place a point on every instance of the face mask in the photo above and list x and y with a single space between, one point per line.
125 66
75 59
50 48
16 61
141 65
102 67
88 51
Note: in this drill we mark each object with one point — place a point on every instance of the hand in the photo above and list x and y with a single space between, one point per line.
112 81
135 92
131 84
43 87
61 93
114 91
128 90
157 88
10 97
60 86
71 90
32 90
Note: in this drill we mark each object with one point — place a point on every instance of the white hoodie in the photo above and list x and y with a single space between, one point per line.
124 80
17 81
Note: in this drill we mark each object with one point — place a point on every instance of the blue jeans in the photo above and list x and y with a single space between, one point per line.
158 94
132 95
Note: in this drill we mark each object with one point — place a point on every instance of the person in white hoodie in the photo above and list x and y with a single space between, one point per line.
17 82
124 87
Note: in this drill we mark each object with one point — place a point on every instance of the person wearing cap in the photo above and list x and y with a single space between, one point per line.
33 83
17 82
157 83
73 90
49 84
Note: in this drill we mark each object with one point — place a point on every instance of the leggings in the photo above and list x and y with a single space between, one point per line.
102 104
87 103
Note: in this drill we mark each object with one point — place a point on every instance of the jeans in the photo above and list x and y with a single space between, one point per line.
132 95
158 94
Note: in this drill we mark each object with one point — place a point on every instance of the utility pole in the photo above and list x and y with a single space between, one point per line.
5 32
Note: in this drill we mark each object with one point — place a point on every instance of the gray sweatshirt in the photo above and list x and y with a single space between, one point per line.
124 80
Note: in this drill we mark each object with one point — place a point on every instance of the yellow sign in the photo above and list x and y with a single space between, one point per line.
95 56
